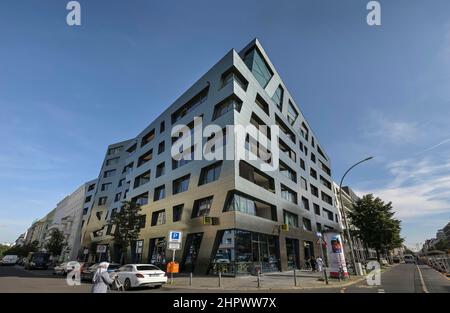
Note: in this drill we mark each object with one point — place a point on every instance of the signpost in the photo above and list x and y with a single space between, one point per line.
174 245
101 249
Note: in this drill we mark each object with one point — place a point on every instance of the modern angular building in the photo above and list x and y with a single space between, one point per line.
256 219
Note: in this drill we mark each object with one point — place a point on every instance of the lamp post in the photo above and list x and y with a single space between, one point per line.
347 230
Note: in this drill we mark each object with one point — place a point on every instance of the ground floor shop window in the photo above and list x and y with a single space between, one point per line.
243 252
157 252
193 242
292 250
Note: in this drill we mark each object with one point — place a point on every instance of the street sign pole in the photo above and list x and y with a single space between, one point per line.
321 242
173 260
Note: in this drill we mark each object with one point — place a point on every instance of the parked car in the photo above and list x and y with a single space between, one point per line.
141 275
88 273
37 260
409 259
10 260
396 259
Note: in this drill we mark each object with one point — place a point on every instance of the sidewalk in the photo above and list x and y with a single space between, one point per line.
268 281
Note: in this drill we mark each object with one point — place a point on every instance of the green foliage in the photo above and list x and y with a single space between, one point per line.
56 242
375 223
22 251
442 245
128 223
3 248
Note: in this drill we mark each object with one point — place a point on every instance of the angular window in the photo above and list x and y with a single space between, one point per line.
160 169
292 113
313 173
305 204
128 168
142 179
148 137
210 173
285 148
88 199
233 74
229 104
162 127
290 218
112 151
190 254
314 190
177 212
146 157
256 176
304 131
181 184
121 182
160 193
288 194
102 200
158 217
132 149
325 182
109 173
316 209
307 224
260 125
190 105
288 172
237 201
319 227
91 187
161 147
258 66
117 197
278 97
302 164
262 104
321 153
85 211
142 199
257 148
325 168
313 157
329 214
106 186
112 161
285 129
202 207
326 198
183 158
303 183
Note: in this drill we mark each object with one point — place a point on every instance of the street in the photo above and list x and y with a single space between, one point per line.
402 278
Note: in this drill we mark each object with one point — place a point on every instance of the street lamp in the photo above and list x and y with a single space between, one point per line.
347 230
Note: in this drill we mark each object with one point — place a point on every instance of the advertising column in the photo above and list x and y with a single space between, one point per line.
335 254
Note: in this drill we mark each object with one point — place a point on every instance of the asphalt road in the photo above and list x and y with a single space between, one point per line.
403 278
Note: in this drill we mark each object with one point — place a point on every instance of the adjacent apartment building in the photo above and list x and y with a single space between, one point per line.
255 219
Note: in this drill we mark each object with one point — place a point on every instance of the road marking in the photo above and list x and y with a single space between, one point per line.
381 291
424 288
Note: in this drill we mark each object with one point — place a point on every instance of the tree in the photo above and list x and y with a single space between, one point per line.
3 248
128 223
56 243
22 251
375 224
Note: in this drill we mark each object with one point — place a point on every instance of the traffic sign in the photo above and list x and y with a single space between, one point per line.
174 245
101 248
175 236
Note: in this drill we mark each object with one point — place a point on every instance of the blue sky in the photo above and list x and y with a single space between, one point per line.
67 92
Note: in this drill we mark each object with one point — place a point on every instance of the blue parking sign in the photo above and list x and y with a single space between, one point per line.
175 236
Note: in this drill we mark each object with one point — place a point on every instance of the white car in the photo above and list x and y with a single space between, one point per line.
10 259
140 275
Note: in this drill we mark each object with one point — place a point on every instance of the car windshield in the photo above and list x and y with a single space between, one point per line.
147 268
113 267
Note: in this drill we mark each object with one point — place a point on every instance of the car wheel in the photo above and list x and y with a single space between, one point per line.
127 284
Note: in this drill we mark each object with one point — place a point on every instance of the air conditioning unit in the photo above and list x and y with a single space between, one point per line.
284 227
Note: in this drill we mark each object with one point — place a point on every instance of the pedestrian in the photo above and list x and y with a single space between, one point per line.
101 279
313 264
319 262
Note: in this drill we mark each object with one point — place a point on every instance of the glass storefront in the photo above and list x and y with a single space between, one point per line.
193 242
243 252
157 252
292 250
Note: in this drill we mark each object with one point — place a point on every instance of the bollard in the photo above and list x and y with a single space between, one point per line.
190 279
295 278
259 279
220 279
